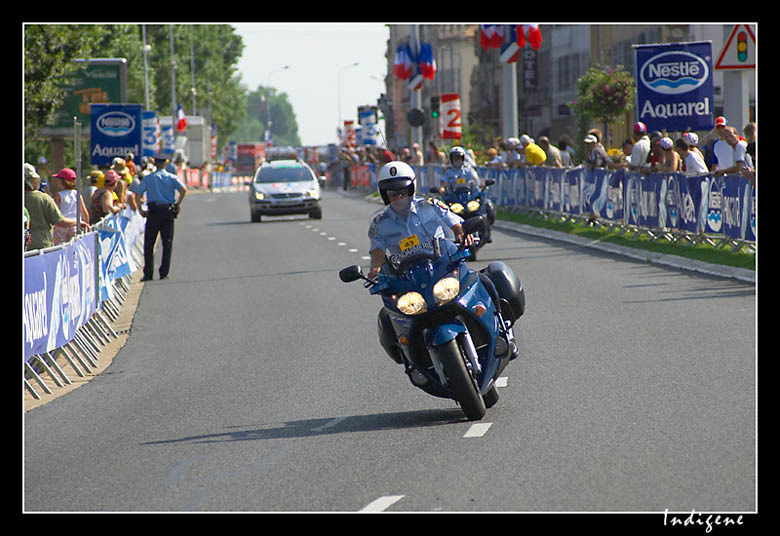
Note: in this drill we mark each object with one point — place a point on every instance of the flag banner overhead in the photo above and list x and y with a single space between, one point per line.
181 120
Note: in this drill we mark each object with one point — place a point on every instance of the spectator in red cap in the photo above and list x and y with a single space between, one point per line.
722 153
43 212
69 202
641 147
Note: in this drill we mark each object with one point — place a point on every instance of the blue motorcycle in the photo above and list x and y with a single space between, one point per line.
466 203
450 326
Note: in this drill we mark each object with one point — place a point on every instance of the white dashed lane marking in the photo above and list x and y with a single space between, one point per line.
382 503
478 430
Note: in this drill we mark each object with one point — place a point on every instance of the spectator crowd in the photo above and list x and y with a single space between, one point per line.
51 203
721 151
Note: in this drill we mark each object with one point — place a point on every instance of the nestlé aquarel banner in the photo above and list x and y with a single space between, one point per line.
674 90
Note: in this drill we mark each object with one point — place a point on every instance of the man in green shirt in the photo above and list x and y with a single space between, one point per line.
44 213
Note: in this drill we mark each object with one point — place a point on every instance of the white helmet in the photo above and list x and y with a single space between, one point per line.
395 176
457 151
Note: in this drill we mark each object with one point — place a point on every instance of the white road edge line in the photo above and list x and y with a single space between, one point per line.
382 503
478 430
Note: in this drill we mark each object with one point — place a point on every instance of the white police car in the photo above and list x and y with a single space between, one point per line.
284 187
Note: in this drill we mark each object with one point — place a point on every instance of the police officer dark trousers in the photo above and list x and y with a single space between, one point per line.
159 220
160 188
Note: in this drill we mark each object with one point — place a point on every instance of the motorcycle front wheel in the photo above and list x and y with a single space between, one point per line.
460 381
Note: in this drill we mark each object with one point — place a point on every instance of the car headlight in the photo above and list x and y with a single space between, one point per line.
259 196
473 206
446 288
411 303
313 193
457 208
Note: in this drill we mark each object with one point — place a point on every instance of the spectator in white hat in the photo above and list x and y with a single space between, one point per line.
595 155
669 160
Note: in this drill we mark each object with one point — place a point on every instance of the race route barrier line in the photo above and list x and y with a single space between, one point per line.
72 293
670 205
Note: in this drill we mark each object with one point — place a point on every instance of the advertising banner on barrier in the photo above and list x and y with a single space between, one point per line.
60 295
723 206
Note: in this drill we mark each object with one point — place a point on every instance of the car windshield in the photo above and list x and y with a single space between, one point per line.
283 174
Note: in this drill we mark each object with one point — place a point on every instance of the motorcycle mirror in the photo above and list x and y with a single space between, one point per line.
473 224
490 182
351 273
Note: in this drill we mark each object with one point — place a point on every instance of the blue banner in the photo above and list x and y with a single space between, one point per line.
151 132
115 130
724 206
60 295
674 86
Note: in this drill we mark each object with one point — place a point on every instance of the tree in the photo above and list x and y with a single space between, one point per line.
49 51
264 105
604 95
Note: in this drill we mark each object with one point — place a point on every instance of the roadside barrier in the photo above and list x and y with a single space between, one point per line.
678 207
72 294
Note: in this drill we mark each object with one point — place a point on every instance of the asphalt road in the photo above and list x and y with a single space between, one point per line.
253 380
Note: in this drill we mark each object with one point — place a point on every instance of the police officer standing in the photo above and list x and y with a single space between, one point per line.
160 188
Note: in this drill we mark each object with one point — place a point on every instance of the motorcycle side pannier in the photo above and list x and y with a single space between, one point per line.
508 287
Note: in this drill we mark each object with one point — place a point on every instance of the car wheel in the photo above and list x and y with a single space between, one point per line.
255 216
316 214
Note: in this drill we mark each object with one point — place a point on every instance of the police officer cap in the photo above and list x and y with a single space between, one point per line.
161 156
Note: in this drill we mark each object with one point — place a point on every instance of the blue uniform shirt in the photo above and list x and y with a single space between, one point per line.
463 175
399 236
160 187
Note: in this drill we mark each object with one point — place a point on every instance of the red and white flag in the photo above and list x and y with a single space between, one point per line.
490 36
530 31
181 120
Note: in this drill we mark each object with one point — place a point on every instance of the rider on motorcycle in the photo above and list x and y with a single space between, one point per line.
460 173
459 170
407 221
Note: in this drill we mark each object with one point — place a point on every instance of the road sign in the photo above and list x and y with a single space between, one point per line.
450 112
739 52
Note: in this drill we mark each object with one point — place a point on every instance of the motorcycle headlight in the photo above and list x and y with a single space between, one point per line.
411 303
446 288
457 208
259 196
473 206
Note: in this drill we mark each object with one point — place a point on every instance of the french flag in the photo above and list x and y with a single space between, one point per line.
427 61
510 50
490 36
532 32
181 120
398 63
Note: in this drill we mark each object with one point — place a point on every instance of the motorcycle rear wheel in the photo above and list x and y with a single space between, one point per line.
461 382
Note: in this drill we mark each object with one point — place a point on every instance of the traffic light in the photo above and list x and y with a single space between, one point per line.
416 117
435 101
742 46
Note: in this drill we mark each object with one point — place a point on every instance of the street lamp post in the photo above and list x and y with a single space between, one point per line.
265 99
339 87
